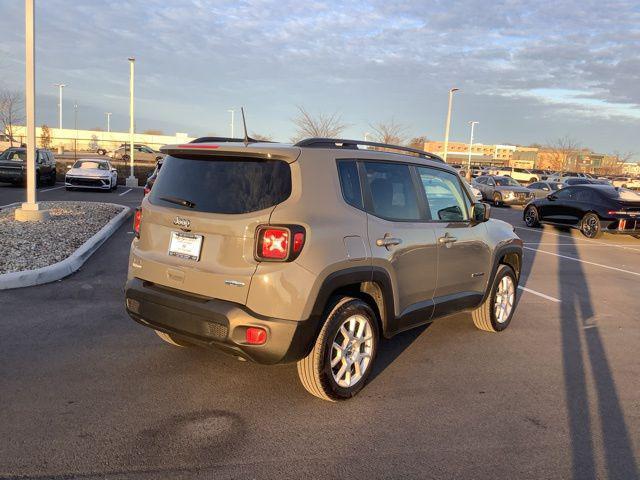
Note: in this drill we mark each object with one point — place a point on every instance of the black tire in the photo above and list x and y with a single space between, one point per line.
484 317
102 151
590 226
531 217
52 180
315 370
173 339
114 187
125 158
38 182
497 199
533 180
69 189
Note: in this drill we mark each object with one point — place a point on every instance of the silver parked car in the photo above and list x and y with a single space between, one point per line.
91 173
503 190
542 189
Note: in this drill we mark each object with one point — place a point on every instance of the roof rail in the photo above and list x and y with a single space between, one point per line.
339 143
223 140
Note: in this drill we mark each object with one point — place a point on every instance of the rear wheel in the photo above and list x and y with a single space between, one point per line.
531 218
590 226
342 357
173 340
495 314
533 179
125 158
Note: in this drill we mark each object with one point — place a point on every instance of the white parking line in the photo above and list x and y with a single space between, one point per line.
584 261
553 299
126 191
49 189
583 240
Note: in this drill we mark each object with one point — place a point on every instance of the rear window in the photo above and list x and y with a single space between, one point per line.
228 185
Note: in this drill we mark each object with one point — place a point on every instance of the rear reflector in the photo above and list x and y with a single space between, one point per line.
137 218
255 336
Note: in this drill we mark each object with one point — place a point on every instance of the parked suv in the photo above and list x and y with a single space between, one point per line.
13 166
520 174
312 253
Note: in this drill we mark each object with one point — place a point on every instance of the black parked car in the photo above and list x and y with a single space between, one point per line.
593 209
13 166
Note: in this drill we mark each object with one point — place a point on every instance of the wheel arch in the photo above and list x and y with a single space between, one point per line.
372 285
510 255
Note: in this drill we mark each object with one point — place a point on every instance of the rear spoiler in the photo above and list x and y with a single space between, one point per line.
288 153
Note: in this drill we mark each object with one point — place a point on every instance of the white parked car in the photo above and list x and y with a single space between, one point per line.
91 173
626 182
519 174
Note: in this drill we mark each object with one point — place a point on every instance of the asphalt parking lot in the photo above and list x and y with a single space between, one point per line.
86 392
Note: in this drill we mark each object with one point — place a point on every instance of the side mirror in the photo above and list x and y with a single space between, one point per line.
69 167
481 212
552 196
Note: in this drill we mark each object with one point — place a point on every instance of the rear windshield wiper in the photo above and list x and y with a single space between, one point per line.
179 201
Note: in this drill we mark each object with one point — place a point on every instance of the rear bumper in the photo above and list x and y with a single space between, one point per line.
218 323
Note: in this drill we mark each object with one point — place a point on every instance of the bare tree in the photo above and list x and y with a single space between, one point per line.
614 164
11 111
562 153
45 136
390 132
261 138
418 142
322 125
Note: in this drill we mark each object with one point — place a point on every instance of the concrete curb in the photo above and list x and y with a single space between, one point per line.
66 267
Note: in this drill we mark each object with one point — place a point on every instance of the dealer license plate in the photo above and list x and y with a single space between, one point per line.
185 245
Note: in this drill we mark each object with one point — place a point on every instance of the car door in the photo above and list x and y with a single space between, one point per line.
464 257
540 189
557 208
401 241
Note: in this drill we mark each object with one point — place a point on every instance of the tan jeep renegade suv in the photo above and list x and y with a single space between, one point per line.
312 252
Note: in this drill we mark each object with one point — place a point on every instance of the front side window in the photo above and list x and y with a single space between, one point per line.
506 182
445 196
393 196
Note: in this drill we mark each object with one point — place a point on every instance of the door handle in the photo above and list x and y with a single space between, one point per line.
447 239
388 241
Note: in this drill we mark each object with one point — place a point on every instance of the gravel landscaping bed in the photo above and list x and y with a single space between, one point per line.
31 245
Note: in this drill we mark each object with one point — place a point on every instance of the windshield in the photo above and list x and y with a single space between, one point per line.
89 164
506 182
15 155
555 186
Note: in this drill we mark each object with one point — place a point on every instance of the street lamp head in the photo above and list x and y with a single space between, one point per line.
132 59
453 89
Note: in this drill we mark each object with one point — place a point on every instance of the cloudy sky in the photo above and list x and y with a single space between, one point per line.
529 71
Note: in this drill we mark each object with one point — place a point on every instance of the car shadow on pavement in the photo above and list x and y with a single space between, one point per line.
580 334
390 350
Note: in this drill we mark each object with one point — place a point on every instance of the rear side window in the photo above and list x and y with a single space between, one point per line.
221 185
393 196
350 182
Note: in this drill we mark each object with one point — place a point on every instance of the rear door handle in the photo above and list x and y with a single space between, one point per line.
447 239
388 241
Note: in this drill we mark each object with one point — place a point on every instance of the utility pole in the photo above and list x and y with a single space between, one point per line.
473 124
75 125
131 181
232 112
30 210
448 124
60 87
108 114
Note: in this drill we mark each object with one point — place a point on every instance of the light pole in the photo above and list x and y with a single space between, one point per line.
232 112
60 87
131 181
473 124
108 114
30 210
75 125
448 124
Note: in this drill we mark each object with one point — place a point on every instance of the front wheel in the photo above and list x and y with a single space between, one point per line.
531 218
342 357
495 314
533 180
125 158
590 226
497 199
102 151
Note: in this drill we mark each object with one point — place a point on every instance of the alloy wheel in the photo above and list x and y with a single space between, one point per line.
531 217
351 351
504 298
590 226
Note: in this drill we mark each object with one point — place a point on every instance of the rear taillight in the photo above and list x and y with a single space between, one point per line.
137 218
279 243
